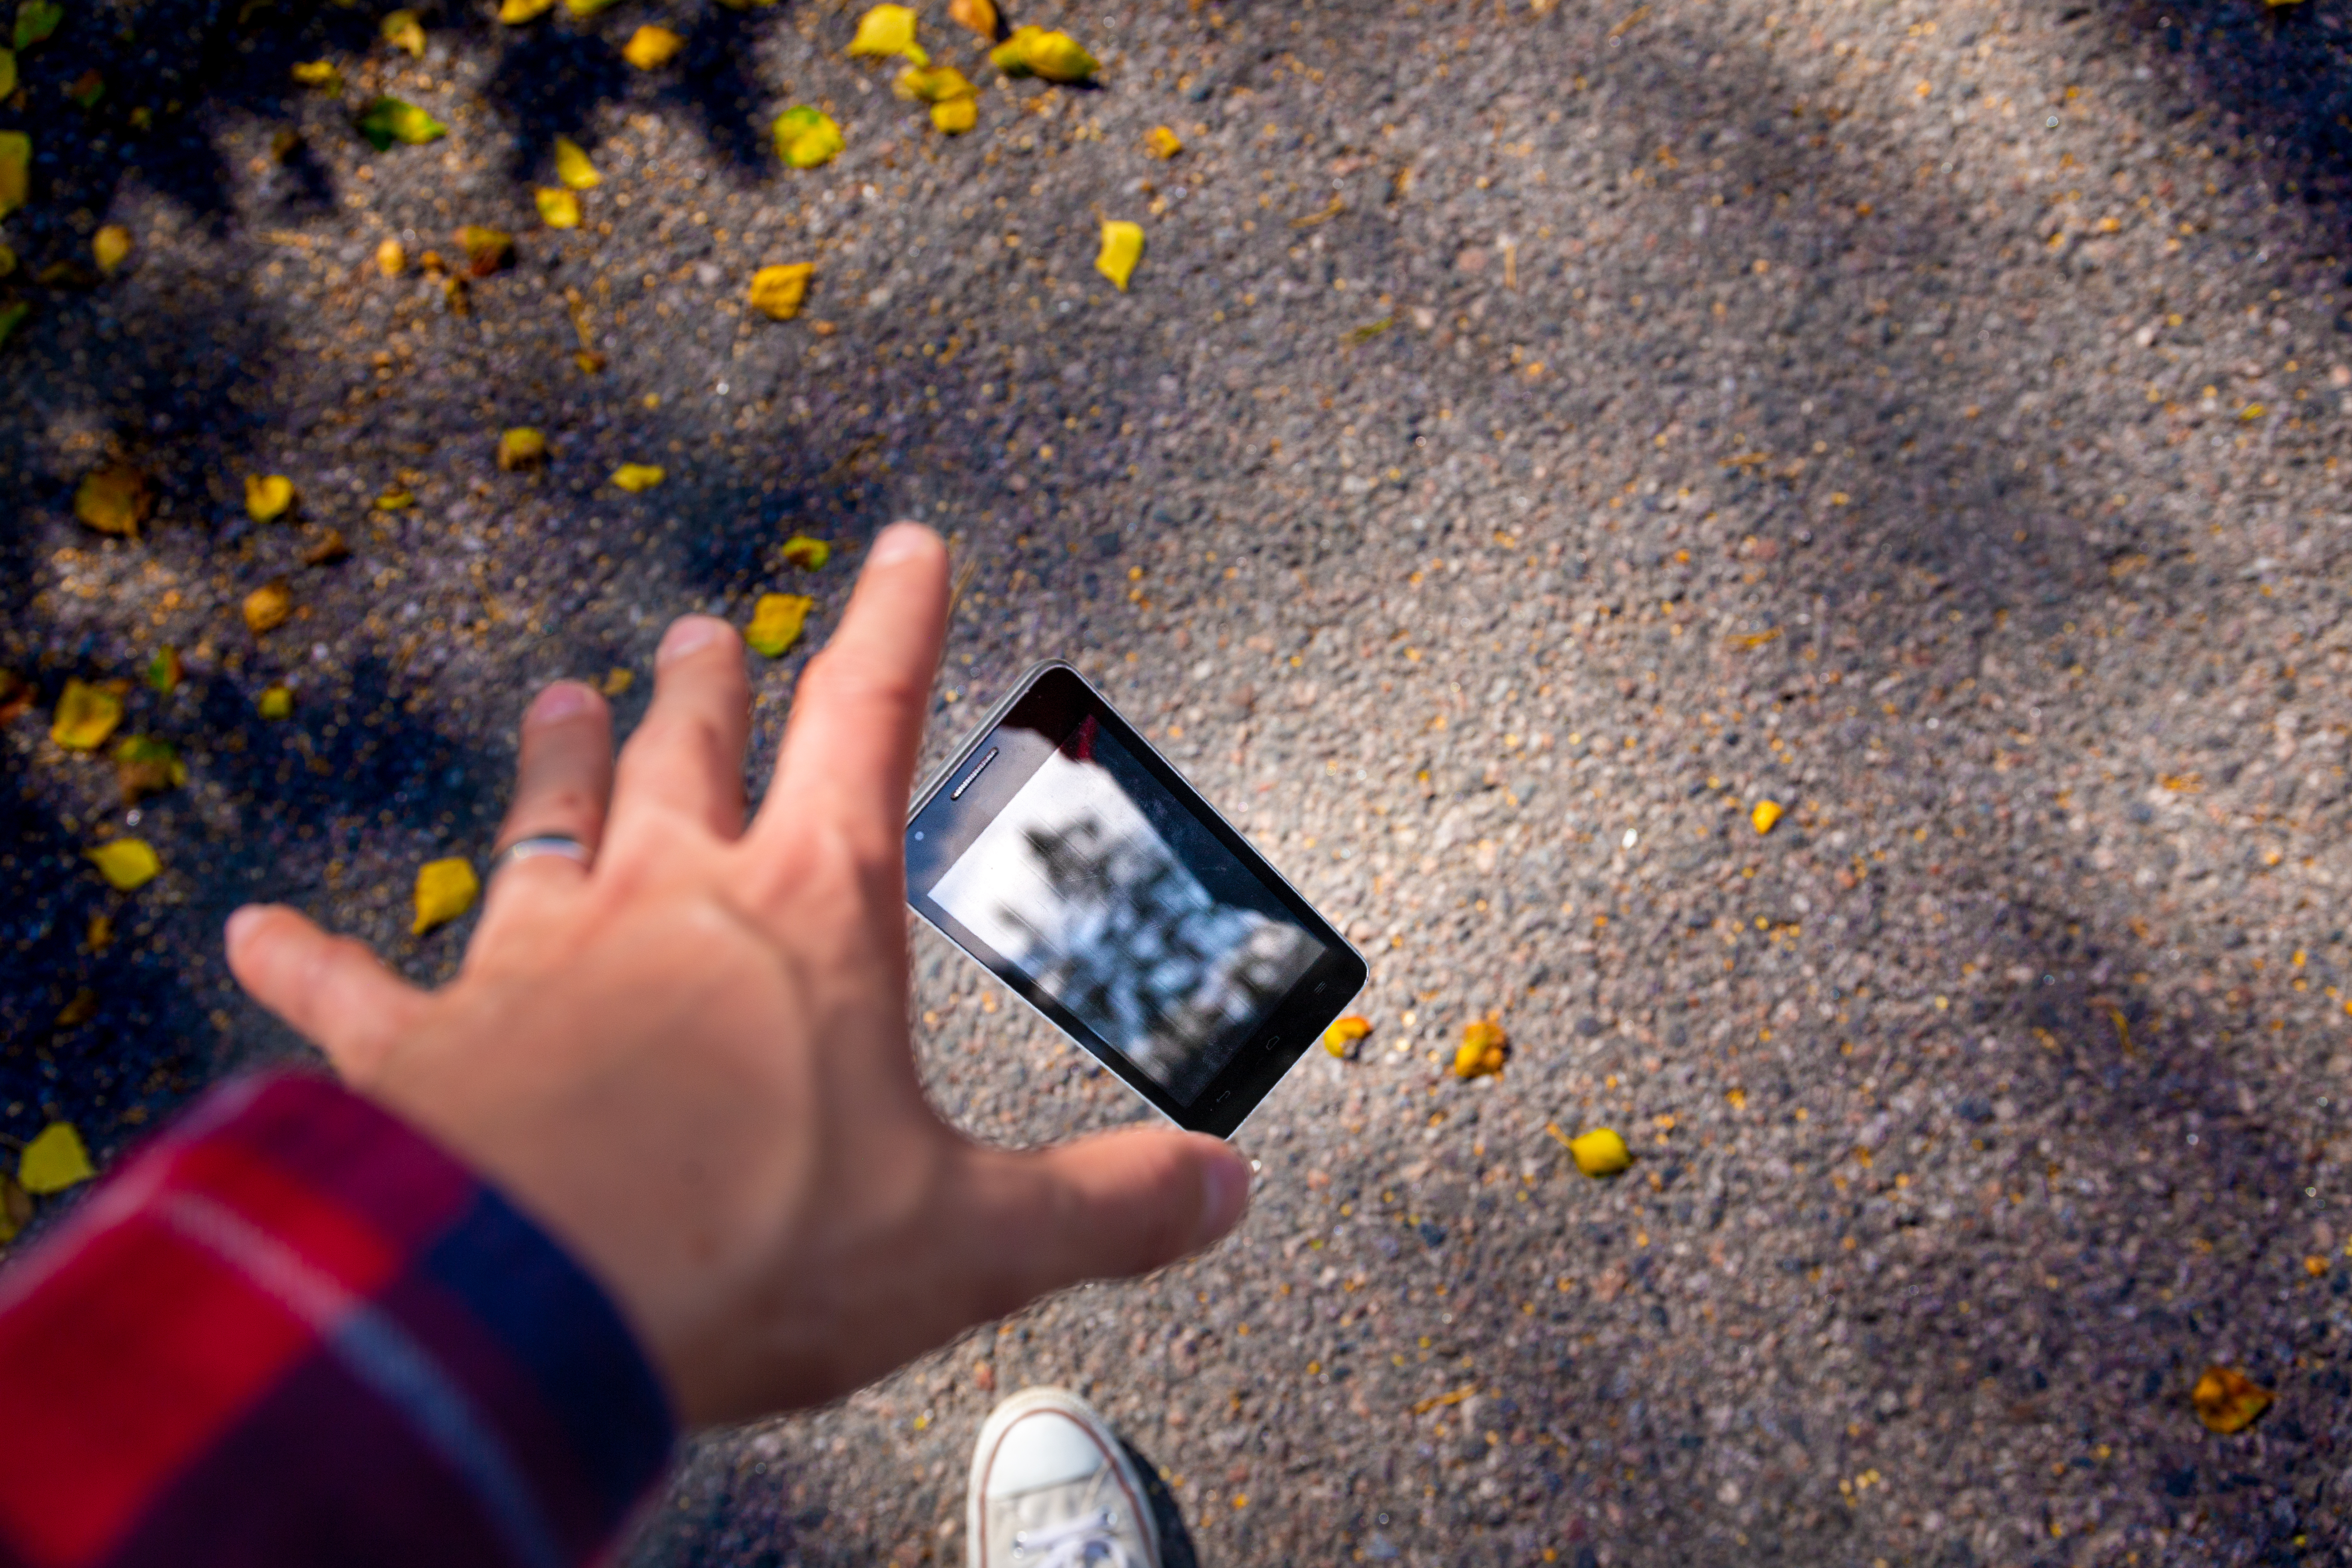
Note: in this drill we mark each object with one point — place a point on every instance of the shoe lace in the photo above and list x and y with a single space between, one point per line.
1070 1544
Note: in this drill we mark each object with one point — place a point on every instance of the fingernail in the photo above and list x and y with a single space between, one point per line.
240 925
688 633
1224 1192
566 699
897 541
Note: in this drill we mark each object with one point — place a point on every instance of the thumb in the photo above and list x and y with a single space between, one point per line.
330 989
1115 1204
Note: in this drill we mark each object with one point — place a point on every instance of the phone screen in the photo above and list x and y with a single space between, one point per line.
1072 860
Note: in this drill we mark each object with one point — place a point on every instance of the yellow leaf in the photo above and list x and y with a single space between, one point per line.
955 116
16 171
806 137
2227 1400
979 16
776 623
100 936
808 555
617 680
515 13
268 496
321 74
1161 142
391 259
1483 1050
268 608
54 1161
558 208
2252 412
85 716
650 48
276 703
7 87
1600 1152
113 500
389 119
932 84
144 765
778 292
1033 51
395 499
637 477
401 30
16 1210
127 864
487 249
1766 813
884 31
1343 1034
444 890
1122 247
586 8
7 261
111 247
572 167
519 448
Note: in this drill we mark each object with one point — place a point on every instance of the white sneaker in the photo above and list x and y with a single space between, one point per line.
1051 1488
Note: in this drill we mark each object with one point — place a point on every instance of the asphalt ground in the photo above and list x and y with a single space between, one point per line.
1533 437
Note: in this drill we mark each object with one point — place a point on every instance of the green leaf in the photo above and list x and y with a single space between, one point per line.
388 119
36 20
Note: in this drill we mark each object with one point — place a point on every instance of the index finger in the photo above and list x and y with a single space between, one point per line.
848 757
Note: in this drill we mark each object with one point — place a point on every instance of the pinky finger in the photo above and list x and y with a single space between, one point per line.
331 990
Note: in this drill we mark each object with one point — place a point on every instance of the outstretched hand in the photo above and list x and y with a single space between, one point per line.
689 1059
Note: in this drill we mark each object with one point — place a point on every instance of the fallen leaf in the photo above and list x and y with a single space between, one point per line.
36 23
268 608
519 448
1033 51
1122 247
278 702
1483 1050
332 547
165 671
391 259
978 15
1340 1039
1161 142
806 137
15 1209
808 555
777 293
7 259
932 84
12 316
16 171
1766 813
636 478
2227 1400
79 1010
444 890
395 499
87 89
1600 1152
650 48
401 30
127 864
268 496
16 696
572 167
8 72
388 119
324 75
589 361
113 500
98 935
584 8
86 715
616 680
488 250
776 622
955 116
144 765
886 31
54 1161
515 13
111 247
558 208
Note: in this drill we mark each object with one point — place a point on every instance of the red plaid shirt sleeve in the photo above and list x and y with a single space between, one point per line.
291 1331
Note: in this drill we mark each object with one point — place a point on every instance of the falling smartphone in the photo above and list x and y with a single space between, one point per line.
1078 867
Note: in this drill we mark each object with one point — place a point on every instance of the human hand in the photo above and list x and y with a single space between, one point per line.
690 1061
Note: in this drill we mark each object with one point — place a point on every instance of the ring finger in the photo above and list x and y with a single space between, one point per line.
563 784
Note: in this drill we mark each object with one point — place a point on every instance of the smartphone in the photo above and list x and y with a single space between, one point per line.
1077 866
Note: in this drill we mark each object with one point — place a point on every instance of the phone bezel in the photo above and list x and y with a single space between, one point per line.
1297 1022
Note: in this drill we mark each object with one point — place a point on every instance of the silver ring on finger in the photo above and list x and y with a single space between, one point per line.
538 844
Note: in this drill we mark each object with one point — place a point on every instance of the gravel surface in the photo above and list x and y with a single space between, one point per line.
1534 436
